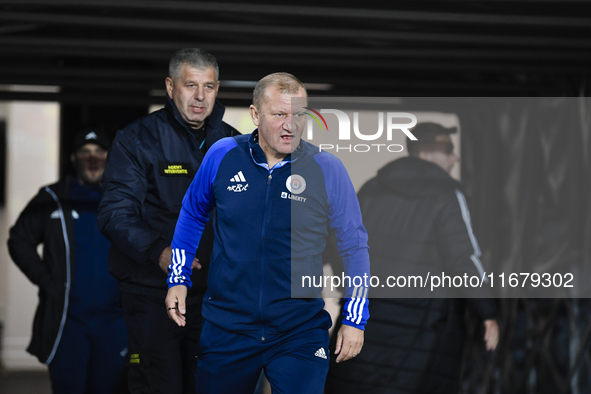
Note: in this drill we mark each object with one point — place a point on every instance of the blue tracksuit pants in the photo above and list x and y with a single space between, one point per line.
294 362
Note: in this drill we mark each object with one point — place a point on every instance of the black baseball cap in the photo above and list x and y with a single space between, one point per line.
91 135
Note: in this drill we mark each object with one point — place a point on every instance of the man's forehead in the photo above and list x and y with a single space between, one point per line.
90 146
188 71
274 97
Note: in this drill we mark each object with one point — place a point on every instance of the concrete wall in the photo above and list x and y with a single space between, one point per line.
32 161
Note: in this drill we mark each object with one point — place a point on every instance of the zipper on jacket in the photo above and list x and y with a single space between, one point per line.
263 232
192 137
265 165
68 276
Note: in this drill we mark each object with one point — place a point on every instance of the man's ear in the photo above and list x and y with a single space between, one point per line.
423 155
254 114
73 158
169 86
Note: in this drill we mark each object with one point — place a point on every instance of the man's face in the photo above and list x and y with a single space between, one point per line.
443 154
194 93
280 126
89 162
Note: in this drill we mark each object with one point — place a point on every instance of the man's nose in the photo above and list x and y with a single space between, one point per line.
287 126
200 93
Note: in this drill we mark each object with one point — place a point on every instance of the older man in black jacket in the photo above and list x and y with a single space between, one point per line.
417 221
151 165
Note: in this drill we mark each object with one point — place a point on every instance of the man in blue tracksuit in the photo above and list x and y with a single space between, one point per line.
276 196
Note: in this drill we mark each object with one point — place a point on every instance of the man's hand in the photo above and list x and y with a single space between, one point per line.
166 257
175 304
349 343
491 334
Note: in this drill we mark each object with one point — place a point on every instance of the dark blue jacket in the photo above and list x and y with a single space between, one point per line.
150 166
270 230
49 219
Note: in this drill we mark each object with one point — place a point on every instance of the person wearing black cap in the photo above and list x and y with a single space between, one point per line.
78 331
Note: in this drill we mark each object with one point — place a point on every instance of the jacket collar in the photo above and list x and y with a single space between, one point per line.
258 156
62 188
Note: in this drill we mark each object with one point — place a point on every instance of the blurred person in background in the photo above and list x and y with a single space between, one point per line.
78 331
416 217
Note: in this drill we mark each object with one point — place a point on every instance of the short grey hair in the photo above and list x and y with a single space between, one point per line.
286 83
194 57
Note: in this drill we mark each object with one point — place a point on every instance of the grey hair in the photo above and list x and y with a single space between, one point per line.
286 83
194 57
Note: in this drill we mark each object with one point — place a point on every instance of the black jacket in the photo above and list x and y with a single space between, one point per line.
150 166
417 221
46 219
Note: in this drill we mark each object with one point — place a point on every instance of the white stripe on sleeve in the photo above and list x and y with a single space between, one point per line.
466 216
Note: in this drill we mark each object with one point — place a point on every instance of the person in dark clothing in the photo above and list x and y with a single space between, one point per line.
151 164
78 329
417 220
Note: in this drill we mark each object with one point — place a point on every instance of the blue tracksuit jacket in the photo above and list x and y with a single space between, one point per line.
270 229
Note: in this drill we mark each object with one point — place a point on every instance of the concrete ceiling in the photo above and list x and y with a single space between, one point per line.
116 51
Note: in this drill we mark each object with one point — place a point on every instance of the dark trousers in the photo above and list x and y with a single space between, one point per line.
163 355
296 362
90 358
